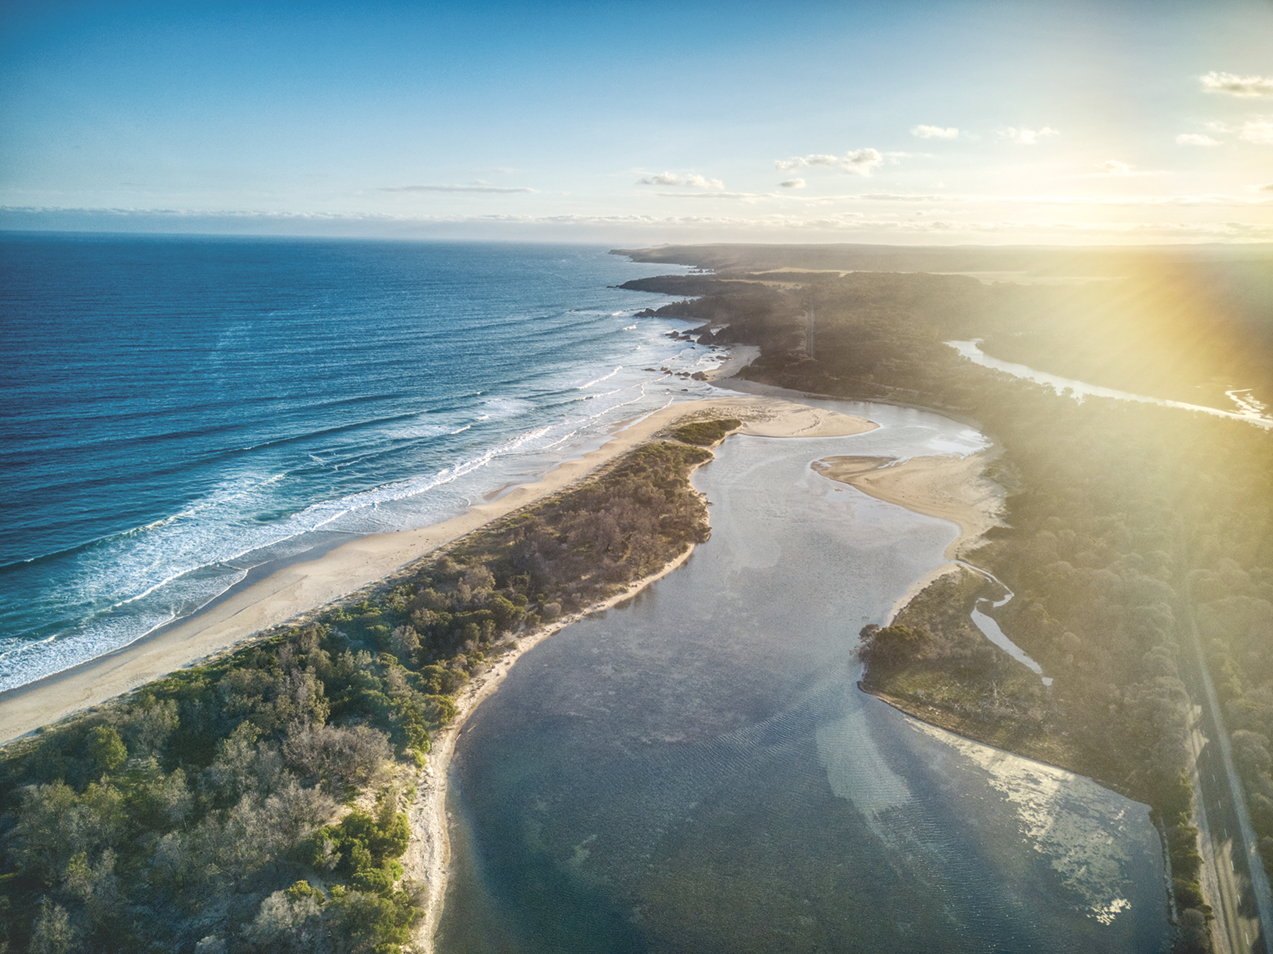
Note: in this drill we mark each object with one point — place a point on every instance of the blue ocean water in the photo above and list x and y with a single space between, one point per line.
175 411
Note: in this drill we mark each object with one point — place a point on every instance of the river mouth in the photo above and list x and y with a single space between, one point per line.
697 771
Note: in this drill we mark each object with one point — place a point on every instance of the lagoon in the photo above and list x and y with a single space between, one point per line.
697 771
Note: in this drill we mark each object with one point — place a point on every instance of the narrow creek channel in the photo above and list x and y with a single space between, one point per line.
696 771
991 630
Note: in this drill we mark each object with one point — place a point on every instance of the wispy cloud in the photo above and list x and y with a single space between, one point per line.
1232 85
1025 136
692 180
898 197
796 183
859 162
1196 139
935 132
1258 131
1112 167
715 195
1267 188
472 187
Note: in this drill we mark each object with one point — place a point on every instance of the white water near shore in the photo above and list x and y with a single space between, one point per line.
309 394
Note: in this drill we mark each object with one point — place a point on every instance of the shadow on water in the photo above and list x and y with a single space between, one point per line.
697 771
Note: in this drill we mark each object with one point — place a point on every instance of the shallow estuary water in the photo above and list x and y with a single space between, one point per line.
696 771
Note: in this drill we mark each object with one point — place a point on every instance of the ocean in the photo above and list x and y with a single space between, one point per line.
176 412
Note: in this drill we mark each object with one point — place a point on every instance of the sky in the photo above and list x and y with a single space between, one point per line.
907 122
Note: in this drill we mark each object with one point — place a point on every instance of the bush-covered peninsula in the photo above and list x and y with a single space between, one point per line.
1125 522
256 802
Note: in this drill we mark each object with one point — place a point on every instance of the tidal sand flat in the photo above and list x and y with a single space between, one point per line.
696 770
947 487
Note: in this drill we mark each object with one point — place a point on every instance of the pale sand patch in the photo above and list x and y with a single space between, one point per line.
798 420
950 488
739 357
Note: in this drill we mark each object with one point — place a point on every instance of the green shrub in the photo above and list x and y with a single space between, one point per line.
706 433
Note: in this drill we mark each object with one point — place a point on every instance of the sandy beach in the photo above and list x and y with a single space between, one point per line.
305 587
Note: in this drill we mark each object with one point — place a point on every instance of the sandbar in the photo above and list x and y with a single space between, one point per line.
947 487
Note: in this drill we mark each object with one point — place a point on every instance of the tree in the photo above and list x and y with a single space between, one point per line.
107 748
53 933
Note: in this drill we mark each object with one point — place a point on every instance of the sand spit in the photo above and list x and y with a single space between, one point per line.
300 590
949 488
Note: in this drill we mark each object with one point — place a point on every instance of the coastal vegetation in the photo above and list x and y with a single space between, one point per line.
256 802
1124 522
706 433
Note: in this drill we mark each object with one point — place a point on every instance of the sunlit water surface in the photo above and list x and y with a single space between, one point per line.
697 771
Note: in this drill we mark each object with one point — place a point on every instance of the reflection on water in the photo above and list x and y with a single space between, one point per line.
697 771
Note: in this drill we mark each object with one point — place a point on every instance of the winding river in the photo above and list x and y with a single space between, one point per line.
696 770
1250 411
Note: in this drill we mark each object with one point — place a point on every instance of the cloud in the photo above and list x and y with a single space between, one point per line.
796 183
813 160
859 162
1257 131
1267 188
1112 167
1253 130
693 181
1025 136
473 187
935 132
1232 85
715 195
898 197
1196 139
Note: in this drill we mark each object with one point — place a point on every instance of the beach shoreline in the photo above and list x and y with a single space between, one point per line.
298 592
300 589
